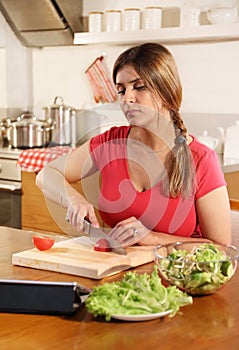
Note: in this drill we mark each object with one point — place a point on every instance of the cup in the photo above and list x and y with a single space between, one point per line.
189 16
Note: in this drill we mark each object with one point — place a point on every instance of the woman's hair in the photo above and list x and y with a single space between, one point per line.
157 68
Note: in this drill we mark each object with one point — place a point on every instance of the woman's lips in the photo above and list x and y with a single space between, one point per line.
131 113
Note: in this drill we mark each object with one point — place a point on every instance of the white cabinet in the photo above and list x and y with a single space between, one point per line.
203 33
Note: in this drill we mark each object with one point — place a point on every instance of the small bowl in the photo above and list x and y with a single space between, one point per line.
195 267
222 15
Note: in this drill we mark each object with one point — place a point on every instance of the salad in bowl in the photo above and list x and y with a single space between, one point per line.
195 267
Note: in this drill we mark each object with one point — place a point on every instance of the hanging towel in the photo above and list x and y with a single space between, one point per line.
103 87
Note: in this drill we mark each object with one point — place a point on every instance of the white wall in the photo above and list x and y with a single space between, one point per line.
209 73
15 73
3 83
31 78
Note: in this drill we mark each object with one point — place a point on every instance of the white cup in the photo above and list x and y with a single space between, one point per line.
113 20
152 17
131 19
190 16
95 22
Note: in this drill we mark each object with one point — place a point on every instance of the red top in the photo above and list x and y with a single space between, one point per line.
119 199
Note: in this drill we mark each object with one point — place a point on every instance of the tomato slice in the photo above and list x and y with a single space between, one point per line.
102 245
42 243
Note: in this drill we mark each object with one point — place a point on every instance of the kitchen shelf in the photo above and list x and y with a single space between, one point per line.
203 33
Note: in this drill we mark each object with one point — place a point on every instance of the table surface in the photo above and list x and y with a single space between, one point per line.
211 322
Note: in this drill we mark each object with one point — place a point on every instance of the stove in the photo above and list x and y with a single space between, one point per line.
10 188
9 153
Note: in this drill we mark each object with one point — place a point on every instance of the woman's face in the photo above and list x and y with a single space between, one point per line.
137 102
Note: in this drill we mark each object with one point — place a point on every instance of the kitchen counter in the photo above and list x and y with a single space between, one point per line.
211 322
30 158
228 165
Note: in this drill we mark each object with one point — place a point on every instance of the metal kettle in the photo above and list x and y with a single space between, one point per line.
62 118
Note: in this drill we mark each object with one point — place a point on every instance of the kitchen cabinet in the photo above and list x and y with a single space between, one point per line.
173 35
42 215
232 180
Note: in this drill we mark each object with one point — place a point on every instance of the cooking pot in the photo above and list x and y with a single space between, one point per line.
27 132
61 118
5 131
1 138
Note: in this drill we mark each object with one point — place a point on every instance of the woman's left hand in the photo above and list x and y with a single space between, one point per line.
129 232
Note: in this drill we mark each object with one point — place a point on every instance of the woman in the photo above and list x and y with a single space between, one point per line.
159 184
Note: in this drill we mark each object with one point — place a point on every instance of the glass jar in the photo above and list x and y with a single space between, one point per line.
131 19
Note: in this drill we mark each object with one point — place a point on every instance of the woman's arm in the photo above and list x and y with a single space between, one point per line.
213 212
131 231
214 218
55 182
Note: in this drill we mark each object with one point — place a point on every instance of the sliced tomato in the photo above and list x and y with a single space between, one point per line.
42 243
102 245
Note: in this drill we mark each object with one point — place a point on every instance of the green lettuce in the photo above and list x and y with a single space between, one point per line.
135 294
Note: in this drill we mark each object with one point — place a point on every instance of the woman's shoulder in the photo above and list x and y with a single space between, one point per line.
115 132
200 150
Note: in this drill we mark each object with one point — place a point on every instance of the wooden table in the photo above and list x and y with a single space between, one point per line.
212 322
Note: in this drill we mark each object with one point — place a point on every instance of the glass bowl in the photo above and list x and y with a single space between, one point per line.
195 267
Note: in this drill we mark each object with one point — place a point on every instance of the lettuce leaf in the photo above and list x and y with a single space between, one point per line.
135 294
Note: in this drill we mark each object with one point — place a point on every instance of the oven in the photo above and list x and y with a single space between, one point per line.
10 188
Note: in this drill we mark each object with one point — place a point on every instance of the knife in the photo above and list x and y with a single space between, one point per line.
96 233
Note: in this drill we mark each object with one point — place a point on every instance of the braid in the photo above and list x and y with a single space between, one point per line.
180 164
178 123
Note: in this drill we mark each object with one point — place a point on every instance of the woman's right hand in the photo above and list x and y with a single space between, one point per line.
78 209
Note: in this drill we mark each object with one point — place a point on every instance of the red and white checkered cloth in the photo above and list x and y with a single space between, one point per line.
33 160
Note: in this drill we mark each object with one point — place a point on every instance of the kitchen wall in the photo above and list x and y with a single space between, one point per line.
15 73
209 73
32 77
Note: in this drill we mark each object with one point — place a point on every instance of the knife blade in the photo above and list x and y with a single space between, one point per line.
96 233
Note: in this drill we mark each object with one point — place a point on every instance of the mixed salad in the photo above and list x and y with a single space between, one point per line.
136 294
200 271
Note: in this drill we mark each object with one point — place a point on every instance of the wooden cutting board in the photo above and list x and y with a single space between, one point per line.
77 257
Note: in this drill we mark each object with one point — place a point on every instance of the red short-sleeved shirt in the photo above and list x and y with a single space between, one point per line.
119 199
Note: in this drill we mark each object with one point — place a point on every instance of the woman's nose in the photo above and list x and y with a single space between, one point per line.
129 96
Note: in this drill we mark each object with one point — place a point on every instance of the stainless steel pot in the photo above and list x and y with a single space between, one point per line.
1 138
61 118
28 132
5 131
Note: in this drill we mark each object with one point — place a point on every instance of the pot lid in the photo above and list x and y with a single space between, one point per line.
29 122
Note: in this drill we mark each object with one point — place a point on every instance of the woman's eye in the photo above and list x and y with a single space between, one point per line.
121 92
141 87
